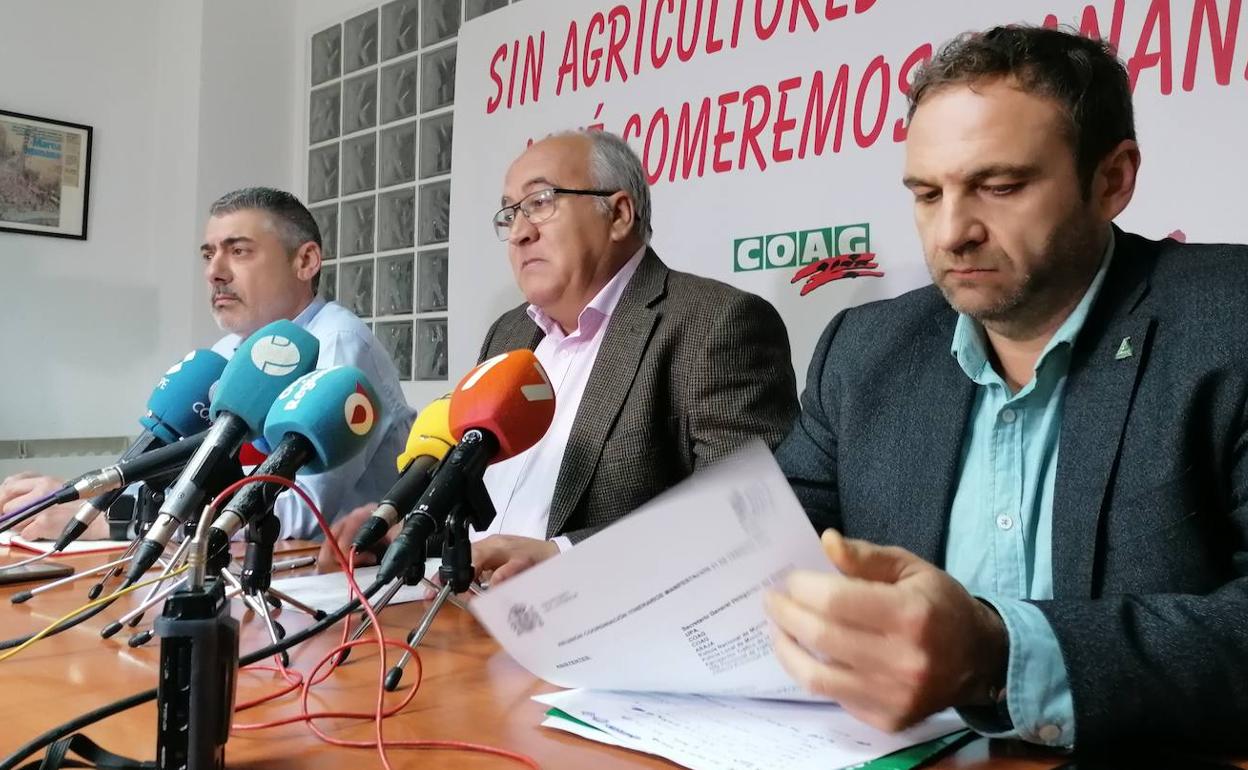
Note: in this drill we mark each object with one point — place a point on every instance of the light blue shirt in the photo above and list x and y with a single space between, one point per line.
1000 542
346 341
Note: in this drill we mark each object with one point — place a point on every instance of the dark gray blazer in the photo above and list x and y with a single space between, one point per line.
689 370
1150 513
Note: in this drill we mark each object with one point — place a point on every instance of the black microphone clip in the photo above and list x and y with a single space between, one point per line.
457 483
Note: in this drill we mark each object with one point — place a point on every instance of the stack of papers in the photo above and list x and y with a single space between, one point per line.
712 733
658 622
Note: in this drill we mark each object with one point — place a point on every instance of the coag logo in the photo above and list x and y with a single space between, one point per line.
359 412
799 248
826 271
275 355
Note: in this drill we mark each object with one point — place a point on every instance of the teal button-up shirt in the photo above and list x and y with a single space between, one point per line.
1001 523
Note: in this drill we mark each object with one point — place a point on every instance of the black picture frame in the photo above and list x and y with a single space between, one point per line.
45 176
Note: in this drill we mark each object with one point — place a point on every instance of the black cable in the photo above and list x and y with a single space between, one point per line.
69 623
91 717
307 633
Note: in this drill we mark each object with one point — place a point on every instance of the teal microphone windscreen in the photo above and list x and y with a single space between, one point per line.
335 409
262 367
178 406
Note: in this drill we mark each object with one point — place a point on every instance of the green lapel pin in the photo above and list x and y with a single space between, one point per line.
1124 349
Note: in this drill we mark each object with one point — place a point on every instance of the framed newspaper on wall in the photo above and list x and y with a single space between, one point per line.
45 172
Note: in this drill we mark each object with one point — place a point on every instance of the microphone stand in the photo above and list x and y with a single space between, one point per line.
256 578
218 478
412 576
175 561
156 594
236 589
457 571
253 584
147 502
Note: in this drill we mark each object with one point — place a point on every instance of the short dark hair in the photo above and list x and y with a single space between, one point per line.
295 224
1084 75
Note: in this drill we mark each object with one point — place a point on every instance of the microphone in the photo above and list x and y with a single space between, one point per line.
319 422
429 441
177 407
501 408
262 367
144 467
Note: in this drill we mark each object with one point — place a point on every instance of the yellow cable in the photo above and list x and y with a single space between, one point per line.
90 606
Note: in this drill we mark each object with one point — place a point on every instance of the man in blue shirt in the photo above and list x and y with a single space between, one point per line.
262 261
1034 472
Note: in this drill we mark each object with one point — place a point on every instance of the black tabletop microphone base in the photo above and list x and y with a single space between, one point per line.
198 669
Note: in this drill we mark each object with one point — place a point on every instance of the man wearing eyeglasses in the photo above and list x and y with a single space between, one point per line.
657 372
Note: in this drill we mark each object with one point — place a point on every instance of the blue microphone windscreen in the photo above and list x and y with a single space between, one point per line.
178 406
335 409
262 367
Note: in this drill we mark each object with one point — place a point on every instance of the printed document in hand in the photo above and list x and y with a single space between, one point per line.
669 599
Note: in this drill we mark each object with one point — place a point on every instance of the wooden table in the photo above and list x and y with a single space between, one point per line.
471 691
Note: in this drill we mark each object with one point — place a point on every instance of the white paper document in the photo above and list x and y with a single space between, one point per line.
716 733
76 547
330 591
669 599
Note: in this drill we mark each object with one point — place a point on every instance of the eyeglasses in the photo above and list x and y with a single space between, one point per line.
537 207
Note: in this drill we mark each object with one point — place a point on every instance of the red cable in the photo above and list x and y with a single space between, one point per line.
305 684
457 745
292 686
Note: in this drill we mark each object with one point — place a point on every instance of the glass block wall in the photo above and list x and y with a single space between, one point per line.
381 91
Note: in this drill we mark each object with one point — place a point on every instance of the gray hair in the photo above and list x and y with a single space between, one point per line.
295 224
613 165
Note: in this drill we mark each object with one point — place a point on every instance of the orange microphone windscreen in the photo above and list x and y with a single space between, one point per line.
509 396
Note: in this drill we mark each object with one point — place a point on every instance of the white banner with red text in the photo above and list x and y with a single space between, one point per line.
772 132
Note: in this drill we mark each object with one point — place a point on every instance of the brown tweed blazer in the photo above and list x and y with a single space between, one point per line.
689 370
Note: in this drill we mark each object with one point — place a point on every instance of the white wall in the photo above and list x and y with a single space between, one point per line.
248 121
84 329
188 100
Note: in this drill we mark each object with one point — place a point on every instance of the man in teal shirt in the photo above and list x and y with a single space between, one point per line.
1041 515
